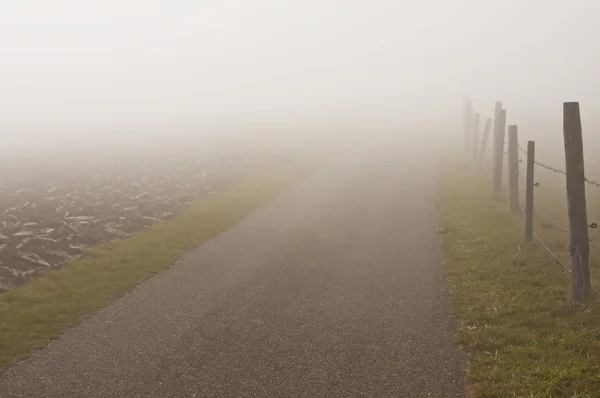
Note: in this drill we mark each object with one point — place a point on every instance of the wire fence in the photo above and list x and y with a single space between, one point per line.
557 170
542 217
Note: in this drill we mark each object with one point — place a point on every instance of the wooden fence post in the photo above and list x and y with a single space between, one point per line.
486 133
468 124
513 168
499 132
475 136
529 191
576 204
497 109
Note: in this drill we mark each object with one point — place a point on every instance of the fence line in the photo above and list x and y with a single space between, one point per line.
576 181
545 216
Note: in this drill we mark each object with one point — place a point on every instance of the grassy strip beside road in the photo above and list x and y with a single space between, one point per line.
33 315
524 335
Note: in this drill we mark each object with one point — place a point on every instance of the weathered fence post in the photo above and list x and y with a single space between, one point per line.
499 132
468 124
513 168
475 136
576 204
529 191
497 109
486 133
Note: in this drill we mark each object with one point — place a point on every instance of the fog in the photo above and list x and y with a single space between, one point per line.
143 75
170 122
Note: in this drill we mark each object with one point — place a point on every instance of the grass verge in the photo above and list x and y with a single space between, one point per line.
33 315
525 336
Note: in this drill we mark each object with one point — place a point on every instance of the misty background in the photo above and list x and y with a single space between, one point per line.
143 76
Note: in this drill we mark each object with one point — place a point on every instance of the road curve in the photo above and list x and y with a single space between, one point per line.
333 289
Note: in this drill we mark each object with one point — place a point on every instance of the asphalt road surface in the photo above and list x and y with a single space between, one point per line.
333 289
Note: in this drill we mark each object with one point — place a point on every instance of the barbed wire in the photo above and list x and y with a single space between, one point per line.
545 166
553 169
559 171
591 182
546 246
545 216
561 226
551 252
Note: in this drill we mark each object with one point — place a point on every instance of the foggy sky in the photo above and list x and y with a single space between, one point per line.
96 72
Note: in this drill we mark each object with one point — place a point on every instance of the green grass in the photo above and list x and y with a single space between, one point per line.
525 336
33 315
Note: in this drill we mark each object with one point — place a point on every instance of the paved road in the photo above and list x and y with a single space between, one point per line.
333 289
